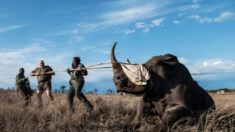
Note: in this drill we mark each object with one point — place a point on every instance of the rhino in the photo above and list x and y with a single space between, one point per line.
171 90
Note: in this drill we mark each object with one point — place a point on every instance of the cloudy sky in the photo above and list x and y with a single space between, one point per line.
201 33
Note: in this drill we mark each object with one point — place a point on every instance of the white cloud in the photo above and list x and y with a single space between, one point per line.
224 16
196 17
154 23
176 22
157 22
140 25
81 28
189 7
75 31
11 61
221 17
99 75
209 69
128 15
213 66
9 28
146 26
146 30
180 14
87 26
195 6
43 41
217 62
8 56
78 38
128 31
183 60
201 20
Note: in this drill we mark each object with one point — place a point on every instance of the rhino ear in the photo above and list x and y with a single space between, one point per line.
169 60
169 63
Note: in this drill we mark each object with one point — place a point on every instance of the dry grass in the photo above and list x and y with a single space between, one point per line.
111 113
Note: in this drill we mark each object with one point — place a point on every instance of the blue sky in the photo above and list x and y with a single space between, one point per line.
199 32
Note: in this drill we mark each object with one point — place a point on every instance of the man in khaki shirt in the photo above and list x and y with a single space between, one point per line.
44 76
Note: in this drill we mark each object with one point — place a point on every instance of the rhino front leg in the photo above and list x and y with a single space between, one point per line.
172 114
136 121
145 107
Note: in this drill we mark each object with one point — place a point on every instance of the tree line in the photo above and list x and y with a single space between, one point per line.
111 91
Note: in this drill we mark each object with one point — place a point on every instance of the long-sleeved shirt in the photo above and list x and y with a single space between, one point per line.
20 81
78 74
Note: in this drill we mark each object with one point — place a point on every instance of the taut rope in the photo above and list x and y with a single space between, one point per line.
90 67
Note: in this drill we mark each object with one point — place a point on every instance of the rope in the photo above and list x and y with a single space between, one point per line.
99 64
90 67
103 63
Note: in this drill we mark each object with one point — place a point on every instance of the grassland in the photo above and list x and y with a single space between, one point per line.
111 113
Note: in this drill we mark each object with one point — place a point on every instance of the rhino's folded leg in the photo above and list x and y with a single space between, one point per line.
172 114
144 107
136 121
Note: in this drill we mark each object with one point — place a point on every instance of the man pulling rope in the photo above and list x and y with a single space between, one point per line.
44 76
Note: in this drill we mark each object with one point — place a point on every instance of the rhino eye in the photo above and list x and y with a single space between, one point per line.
118 79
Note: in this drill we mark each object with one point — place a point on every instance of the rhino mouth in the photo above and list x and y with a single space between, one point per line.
120 84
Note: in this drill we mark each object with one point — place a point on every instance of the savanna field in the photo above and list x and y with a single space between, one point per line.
111 113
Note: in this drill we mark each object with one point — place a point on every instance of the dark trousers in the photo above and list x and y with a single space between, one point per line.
76 89
25 94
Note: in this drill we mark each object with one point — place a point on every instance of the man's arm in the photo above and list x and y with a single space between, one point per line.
68 71
34 73
51 71
83 70
20 80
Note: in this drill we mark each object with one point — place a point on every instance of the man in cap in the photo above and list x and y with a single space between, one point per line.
44 75
22 86
77 82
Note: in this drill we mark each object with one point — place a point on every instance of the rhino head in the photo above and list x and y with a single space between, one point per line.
121 81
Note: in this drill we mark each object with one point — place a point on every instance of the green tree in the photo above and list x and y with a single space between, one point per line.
90 92
62 88
95 90
109 91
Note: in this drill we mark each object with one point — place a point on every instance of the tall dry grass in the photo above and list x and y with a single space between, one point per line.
111 113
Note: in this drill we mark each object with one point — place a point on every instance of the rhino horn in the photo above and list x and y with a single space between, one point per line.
113 58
